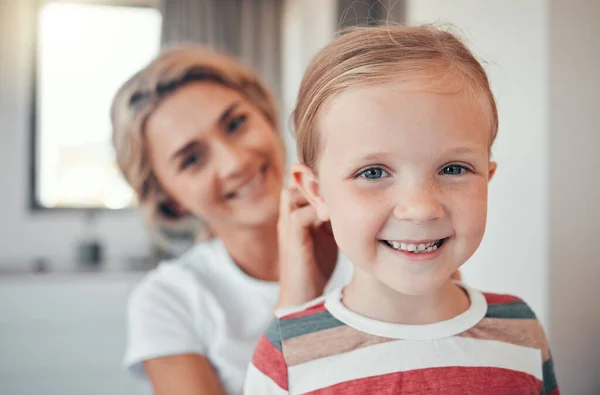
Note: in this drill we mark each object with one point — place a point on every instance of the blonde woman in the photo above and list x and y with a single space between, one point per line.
195 135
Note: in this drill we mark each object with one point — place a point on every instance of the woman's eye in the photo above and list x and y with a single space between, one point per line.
373 173
454 170
235 123
190 161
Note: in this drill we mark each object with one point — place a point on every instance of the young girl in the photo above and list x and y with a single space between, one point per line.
394 130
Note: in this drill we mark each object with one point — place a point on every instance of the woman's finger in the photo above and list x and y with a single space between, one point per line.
304 217
296 198
284 202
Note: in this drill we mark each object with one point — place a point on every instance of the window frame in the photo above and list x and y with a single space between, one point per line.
34 204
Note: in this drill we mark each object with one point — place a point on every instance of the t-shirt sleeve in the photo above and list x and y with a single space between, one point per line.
267 373
550 384
161 317
528 332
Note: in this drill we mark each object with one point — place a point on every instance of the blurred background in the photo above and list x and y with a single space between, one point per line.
72 245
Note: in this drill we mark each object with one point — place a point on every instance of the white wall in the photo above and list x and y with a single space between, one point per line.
307 26
64 334
575 193
25 235
511 36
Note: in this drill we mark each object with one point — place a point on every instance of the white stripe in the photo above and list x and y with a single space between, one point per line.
257 383
406 355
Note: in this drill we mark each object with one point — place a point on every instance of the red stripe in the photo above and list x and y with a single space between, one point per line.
319 308
555 391
269 360
440 381
500 299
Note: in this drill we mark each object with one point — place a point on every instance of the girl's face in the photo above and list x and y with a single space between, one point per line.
403 177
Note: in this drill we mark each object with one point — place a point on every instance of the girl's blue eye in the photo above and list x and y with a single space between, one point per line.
454 170
236 123
373 173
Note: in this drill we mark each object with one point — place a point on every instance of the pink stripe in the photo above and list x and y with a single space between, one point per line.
500 299
440 381
269 360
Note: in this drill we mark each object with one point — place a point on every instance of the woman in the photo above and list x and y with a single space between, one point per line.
195 135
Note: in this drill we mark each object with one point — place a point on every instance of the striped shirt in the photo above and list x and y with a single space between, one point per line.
496 347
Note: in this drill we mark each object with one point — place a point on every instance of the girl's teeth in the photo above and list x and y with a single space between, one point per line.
416 248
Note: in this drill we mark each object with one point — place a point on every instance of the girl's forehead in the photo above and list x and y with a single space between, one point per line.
389 116
372 103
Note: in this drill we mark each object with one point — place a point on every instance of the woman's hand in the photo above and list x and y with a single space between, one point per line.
307 250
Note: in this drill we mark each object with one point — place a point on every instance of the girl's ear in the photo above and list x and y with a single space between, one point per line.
307 182
493 167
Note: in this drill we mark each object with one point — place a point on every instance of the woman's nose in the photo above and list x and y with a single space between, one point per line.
230 159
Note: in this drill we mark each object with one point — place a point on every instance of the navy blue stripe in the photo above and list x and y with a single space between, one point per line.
550 383
294 327
510 310
273 335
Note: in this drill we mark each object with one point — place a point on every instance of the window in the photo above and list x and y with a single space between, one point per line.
84 53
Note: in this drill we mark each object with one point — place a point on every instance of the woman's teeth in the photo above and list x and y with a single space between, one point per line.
415 248
251 187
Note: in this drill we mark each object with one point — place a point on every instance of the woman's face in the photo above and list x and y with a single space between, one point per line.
216 156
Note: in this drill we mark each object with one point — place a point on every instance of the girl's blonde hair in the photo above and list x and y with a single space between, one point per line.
139 97
385 54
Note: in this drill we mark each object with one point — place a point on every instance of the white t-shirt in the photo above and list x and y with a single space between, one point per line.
204 303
